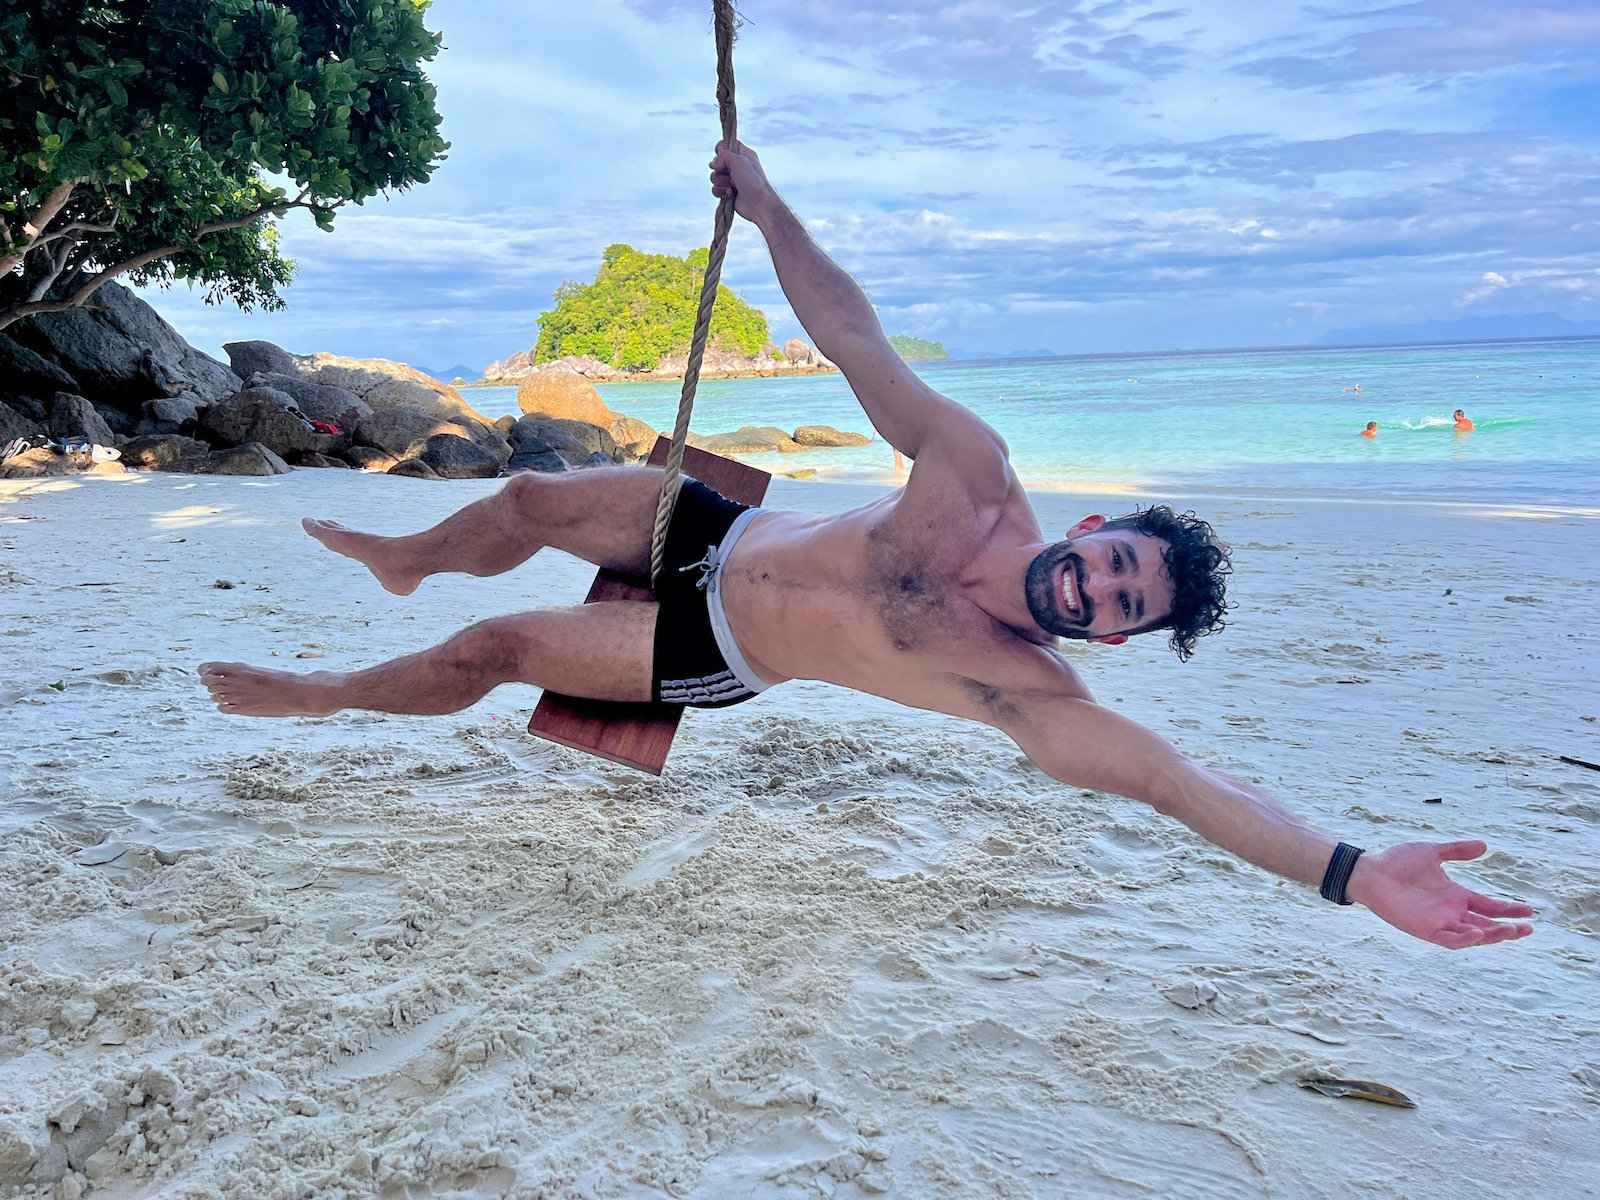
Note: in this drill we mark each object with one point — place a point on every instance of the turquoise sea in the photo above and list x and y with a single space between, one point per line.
1269 422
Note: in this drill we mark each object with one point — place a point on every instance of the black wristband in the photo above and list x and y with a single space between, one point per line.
1340 867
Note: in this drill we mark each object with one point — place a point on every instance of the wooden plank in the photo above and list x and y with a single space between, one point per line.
638 735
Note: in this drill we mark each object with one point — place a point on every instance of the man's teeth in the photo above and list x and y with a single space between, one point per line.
1069 589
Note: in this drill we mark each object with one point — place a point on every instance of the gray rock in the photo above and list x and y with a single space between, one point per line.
248 358
27 371
262 415
414 468
14 425
312 459
73 416
505 424
252 458
86 1124
366 458
170 414
18 1153
544 460
827 435
748 439
165 452
32 407
119 350
319 401
455 457
575 441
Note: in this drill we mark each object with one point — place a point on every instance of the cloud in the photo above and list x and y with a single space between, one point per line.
1584 285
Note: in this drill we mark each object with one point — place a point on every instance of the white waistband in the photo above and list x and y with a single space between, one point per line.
720 629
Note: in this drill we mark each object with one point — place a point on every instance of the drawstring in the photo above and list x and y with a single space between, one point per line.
707 566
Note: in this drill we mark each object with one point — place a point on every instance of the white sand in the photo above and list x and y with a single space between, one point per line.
842 949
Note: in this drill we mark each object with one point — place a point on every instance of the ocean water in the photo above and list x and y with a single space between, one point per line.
1267 422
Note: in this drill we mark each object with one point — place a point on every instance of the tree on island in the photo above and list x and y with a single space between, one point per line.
642 307
133 137
914 348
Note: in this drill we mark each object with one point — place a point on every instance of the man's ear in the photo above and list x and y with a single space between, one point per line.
1088 525
1111 639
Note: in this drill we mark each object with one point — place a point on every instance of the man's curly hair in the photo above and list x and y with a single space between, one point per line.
1199 566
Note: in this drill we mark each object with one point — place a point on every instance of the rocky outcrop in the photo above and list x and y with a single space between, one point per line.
633 437
14 425
319 401
575 441
414 468
170 414
544 460
252 458
827 435
563 394
747 439
262 415
454 457
165 452
717 364
366 458
796 351
312 459
397 429
119 353
74 417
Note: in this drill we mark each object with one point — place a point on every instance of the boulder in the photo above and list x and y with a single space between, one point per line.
32 407
414 468
397 429
504 424
252 458
170 414
796 351
14 425
633 437
23 370
165 452
319 401
748 439
262 415
74 417
544 460
366 458
563 394
312 459
827 435
575 441
252 358
455 457
119 350
34 464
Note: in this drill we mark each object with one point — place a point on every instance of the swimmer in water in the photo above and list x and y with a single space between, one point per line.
1463 425
1371 431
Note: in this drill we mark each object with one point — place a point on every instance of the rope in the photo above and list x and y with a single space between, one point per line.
724 18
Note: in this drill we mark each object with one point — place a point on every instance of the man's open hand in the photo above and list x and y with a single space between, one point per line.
736 172
1407 887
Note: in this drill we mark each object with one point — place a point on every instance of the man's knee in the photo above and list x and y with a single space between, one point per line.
495 648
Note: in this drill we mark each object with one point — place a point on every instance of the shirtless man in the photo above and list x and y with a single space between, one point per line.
943 595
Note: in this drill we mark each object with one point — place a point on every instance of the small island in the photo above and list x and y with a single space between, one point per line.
915 349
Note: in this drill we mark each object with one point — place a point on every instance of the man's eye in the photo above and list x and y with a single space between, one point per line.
1116 560
1126 609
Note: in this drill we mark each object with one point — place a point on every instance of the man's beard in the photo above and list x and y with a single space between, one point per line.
1044 595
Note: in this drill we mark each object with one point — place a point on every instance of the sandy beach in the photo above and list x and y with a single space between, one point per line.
841 949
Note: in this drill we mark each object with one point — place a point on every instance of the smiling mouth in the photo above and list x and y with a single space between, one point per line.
1071 592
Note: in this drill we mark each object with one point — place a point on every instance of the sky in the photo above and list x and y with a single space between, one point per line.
1000 176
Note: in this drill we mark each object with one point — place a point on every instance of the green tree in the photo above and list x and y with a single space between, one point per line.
640 308
135 136
914 348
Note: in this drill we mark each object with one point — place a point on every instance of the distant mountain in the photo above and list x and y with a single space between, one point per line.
1463 329
449 373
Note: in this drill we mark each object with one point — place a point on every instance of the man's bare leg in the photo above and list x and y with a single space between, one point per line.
602 651
603 514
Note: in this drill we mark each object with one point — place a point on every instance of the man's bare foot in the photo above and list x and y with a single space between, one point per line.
247 691
369 549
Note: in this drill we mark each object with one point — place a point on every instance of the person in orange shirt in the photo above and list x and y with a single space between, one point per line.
1463 425
1371 431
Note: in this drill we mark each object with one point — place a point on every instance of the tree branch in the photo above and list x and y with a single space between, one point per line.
11 316
34 227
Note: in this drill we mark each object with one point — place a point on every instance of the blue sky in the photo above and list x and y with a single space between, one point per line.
998 175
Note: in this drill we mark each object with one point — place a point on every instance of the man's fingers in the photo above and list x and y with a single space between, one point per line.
1490 907
1459 851
1457 937
1497 931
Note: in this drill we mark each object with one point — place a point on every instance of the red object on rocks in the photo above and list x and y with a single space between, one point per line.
327 427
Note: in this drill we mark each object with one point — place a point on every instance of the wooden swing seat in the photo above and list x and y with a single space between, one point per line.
638 735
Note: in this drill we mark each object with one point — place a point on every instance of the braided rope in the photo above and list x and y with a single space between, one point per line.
672 481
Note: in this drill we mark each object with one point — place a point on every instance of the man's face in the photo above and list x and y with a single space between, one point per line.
1099 584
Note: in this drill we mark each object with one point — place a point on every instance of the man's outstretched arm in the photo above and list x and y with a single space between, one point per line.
838 316
1082 744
